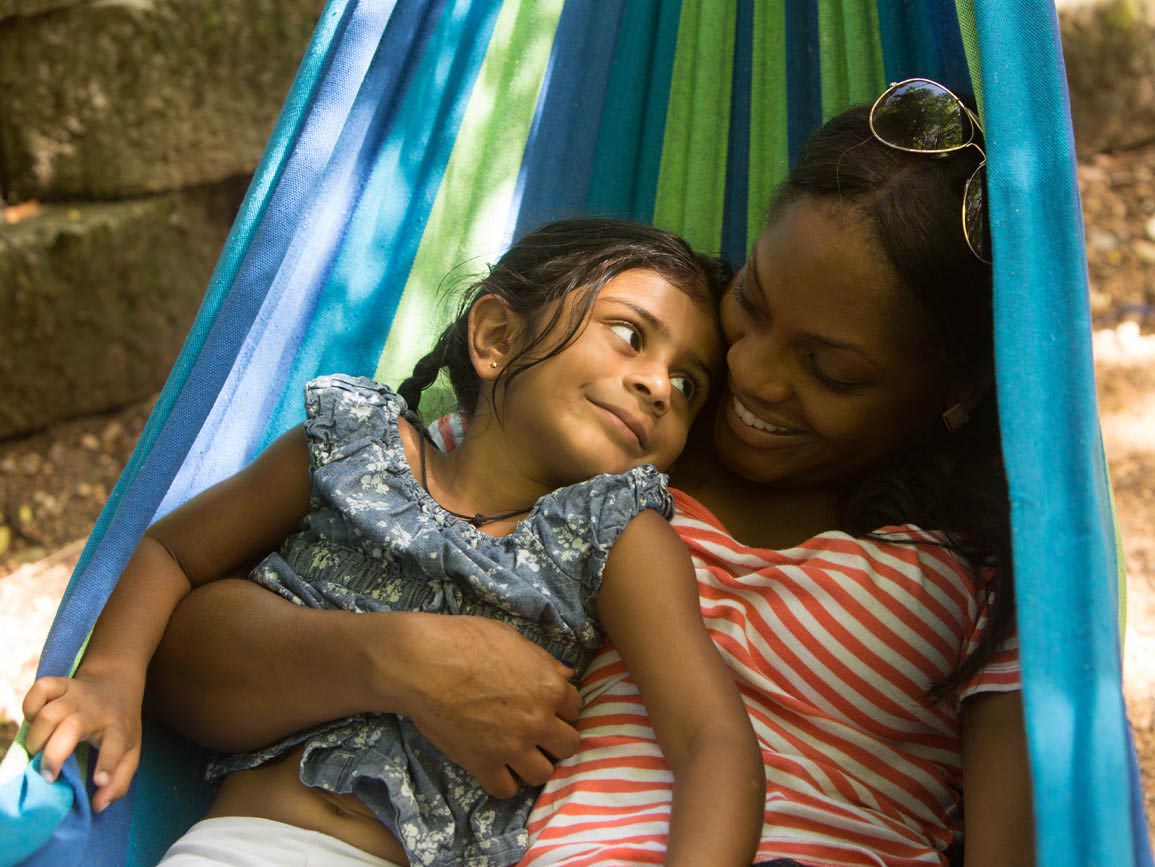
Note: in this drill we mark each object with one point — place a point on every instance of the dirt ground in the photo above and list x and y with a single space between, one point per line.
53 484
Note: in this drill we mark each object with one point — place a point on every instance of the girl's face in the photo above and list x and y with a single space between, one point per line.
829 374
624 393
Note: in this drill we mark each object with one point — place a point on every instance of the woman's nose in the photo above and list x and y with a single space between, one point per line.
761 369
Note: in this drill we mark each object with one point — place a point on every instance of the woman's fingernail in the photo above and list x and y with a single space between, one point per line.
100 778
48 776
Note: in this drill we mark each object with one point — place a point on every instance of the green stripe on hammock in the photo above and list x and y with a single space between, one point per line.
692 179
476 194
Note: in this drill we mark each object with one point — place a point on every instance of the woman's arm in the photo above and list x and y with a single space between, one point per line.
999 819
649 606
213 534
240 667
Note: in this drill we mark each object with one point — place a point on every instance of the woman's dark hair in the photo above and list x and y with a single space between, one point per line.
952 482
548 265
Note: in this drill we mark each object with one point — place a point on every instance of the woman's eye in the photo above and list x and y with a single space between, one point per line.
685 385
826 379
628 334
739 293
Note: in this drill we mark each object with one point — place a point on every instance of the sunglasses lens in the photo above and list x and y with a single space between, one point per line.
920 116
975 223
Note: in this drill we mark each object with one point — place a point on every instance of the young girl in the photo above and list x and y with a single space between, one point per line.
588 350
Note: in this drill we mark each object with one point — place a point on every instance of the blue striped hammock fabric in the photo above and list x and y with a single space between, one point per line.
420 135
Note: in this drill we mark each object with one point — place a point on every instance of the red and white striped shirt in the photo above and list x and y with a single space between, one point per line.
833 645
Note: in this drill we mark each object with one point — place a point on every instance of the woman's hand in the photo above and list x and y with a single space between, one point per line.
240 667
104 711
493 702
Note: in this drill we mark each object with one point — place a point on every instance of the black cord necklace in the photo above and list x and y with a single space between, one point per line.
478 520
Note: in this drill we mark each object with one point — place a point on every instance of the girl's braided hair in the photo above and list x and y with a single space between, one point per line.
545 266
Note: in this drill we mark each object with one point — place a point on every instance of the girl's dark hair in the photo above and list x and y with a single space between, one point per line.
548 265
952 482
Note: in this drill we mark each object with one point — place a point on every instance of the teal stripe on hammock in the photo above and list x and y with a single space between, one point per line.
357 305
737 194
628 155
691 183
306 225
851 52
769 124
1063 545
472 217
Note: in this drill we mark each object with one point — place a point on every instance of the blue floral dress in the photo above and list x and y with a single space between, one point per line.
376 541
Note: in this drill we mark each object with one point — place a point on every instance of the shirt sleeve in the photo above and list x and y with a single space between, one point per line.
1001 672
584 521
345 413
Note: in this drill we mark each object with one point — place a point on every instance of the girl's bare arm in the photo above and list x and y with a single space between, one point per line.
240 667
999 818
649 606
216 533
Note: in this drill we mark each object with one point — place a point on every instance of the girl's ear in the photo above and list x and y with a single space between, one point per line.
494 330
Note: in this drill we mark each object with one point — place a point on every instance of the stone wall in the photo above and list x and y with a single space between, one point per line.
118 98
1109 50
128 131
99 299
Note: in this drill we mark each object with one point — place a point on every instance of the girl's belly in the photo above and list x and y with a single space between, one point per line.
275 791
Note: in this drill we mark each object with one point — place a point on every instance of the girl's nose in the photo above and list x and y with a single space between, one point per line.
653 385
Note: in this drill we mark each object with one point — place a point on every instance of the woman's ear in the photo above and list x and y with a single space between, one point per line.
967 396
494 331
971 393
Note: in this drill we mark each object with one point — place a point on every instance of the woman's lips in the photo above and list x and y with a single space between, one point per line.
746 417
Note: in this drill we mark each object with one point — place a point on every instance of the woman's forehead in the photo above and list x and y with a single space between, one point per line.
821 267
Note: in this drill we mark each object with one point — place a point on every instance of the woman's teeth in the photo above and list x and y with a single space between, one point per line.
748 418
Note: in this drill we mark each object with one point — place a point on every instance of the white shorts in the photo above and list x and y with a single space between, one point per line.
244 841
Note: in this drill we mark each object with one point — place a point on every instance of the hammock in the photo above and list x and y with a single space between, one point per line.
419 135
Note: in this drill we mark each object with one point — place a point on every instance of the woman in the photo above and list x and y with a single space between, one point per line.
859 398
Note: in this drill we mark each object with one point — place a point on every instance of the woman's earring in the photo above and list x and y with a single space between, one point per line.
493 364
955 417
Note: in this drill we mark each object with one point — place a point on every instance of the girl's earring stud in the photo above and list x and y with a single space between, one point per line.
493 364
955 417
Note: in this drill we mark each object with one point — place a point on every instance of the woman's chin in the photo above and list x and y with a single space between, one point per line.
755 455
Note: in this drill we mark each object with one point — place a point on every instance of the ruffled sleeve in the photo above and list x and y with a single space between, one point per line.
345 413
583 521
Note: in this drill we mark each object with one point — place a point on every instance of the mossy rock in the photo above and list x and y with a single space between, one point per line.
98 299
1109 49
119 98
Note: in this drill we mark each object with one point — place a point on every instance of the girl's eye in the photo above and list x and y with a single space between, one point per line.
628 334
828 380
685 385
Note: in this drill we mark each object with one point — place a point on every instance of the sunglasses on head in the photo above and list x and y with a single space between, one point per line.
921 116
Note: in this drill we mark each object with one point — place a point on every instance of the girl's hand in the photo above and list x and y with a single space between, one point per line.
65 711
493 702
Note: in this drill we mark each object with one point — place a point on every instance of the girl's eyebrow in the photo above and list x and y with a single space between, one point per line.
664 331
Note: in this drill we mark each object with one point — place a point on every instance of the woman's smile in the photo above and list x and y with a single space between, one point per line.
749 419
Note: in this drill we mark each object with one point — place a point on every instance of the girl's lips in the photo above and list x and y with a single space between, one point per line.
746 417
628 424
